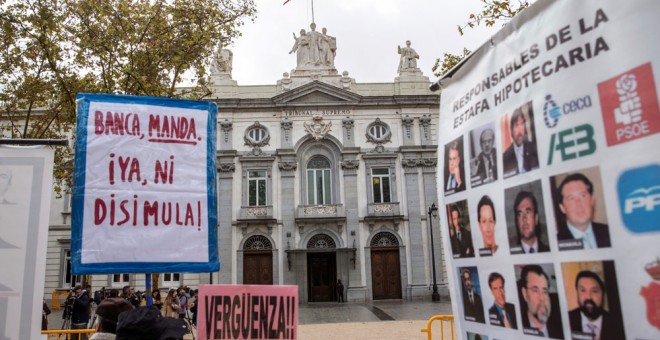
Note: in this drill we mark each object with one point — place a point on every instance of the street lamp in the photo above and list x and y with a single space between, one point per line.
433 213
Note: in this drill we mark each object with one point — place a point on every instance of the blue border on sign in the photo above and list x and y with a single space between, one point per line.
77 214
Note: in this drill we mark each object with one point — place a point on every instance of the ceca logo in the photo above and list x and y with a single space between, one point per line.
639 198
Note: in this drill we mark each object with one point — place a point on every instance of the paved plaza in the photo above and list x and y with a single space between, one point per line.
374 320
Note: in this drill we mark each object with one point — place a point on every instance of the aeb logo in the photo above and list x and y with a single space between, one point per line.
639 198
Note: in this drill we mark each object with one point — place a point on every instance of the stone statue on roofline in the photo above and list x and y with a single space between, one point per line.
408 60
314 50
222 61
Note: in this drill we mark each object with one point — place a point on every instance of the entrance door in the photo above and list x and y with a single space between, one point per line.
385 273
258 268
322 275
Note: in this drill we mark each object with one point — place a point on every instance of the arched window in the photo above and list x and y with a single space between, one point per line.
321 241
319 184
257 242
384 239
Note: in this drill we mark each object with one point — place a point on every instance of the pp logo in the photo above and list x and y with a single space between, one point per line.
639 198
630 105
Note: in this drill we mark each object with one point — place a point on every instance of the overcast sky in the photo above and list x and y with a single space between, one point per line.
367 32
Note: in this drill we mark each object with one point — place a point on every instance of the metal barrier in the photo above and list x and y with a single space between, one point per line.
442 318
66 332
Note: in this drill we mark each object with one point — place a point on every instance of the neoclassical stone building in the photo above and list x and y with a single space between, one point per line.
320 178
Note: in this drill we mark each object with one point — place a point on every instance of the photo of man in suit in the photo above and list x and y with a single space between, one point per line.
576 202
521 155
484 165
590 317
460 237
538 304
525 210
502 313
454 173
472 303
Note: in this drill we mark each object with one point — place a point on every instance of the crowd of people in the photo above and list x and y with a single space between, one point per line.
126 314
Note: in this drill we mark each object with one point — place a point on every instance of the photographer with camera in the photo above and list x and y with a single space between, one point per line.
129 294
78 304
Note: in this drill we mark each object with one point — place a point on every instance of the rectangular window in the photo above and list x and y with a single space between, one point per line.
68 279
171 279
380 180
256 188
319 186
119 280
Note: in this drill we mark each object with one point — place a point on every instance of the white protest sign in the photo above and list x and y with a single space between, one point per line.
144 197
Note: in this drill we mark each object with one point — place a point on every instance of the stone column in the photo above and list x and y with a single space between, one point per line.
355 291
226 169
288 166
417 275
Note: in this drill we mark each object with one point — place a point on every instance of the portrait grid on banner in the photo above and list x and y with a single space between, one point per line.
556 126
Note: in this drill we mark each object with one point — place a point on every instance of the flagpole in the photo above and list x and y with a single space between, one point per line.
312 10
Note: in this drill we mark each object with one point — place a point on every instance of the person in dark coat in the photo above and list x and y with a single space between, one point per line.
590 317
521 155
472 303
539 308
44 316
340 291
80 311
460 237
526 212
487 159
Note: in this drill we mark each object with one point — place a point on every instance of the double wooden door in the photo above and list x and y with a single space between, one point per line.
258 268
322 276
385 273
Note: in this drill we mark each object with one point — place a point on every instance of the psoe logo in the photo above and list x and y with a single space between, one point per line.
639 198
629 105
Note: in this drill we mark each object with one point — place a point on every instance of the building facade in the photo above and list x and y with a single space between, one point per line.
320 179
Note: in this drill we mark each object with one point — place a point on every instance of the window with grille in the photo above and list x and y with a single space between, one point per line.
380 181
321 241
319 181
257 242
384 239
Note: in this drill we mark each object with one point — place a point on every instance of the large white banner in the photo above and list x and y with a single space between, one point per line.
550 184
144 197
26 176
